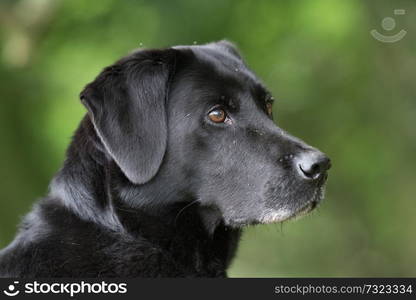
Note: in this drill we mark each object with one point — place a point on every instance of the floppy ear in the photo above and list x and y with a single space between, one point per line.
127 105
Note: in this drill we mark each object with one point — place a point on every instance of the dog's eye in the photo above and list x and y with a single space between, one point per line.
269 107
217 115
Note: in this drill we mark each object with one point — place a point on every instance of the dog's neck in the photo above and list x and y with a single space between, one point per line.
92 186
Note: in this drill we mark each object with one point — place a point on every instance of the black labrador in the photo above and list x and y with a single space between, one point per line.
178 152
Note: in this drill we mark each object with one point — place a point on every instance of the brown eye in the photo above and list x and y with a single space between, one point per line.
217 115
269 107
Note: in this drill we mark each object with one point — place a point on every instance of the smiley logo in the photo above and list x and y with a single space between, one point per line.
388 24
12 291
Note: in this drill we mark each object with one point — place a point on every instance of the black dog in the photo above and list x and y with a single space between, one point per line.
177 153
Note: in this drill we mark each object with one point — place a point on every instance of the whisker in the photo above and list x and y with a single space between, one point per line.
183 209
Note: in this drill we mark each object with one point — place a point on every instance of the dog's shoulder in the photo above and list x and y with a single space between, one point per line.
54 242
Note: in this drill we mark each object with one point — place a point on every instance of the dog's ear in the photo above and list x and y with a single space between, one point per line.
127 105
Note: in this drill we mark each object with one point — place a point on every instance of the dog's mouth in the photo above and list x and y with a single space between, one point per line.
281 205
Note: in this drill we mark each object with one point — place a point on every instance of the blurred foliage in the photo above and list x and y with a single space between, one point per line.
338 88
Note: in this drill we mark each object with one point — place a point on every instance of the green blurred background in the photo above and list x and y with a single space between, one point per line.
338 88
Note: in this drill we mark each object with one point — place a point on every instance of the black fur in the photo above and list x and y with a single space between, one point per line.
151 187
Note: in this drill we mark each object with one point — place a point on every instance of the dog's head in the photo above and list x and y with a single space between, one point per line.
196 121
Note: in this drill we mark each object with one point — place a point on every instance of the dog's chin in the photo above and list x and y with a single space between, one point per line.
285 214
289 213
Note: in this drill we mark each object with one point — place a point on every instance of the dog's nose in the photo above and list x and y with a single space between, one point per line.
312 164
